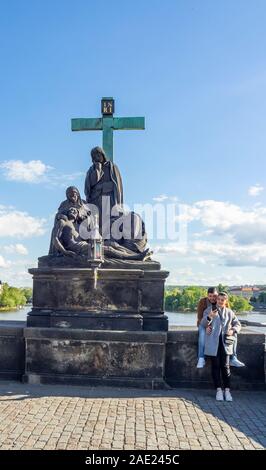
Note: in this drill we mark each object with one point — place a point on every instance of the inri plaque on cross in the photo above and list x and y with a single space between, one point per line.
107 123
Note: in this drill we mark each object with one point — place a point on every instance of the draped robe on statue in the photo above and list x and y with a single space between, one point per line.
104 182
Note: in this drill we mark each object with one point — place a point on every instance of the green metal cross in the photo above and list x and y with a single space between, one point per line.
107 123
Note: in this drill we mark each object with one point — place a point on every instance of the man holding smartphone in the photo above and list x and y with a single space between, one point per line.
204 303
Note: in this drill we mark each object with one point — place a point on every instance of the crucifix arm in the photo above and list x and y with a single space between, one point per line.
129 123
87 124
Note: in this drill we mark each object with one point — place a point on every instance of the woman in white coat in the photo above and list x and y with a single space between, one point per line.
221 326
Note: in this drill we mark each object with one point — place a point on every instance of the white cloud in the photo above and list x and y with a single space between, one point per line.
188 213
17 277
221 218
16 248
62 180
164 197
231 236
171 248
35 171
229 253
255 190
4 263
19 224
213 214
189 277
16 272
201 260
221 252
27 172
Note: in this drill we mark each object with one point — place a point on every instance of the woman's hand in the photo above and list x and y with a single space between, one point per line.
213 313
230 332
209 330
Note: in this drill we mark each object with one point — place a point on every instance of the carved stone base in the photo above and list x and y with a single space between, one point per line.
122 299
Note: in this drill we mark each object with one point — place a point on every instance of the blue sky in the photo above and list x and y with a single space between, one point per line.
195 69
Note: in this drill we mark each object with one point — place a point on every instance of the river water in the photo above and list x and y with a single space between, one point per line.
190 319
175 318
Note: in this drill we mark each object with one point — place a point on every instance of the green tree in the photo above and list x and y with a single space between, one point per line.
191 296
11 297
172 299
5 299
222 288
239 304
27 292
188 298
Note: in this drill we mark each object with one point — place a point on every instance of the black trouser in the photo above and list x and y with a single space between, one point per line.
221 367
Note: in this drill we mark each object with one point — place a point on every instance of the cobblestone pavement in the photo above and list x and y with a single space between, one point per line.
61 417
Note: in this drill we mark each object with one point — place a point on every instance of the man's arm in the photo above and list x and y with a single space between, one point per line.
200 309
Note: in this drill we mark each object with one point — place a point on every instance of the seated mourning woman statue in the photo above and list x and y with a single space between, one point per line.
67 241
73 200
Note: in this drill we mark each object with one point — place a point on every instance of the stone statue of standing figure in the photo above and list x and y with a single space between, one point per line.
103 185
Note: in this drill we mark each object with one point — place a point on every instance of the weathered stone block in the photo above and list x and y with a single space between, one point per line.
181 360
95 357
12 350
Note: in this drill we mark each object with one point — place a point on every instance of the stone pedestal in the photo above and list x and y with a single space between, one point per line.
109 332
82 357
124 299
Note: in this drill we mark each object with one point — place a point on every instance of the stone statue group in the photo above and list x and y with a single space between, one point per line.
102 215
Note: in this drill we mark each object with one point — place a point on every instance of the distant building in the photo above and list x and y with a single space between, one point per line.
246 291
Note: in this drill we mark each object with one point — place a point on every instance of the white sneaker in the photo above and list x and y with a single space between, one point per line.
219 395
228 396
236 363
201 363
